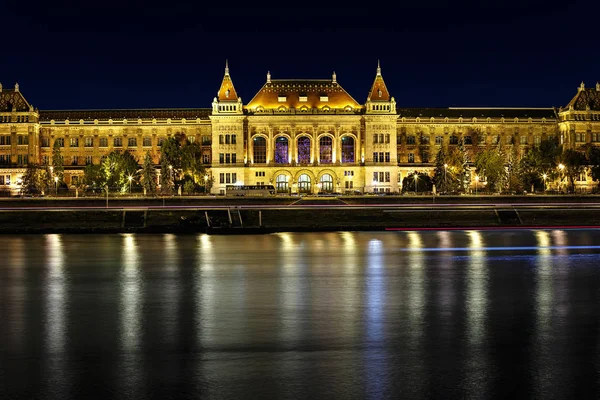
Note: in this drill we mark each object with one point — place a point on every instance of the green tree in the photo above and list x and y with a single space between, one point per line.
489 163
170 164
93 176
593 156
440 173
117 167
148 175
422 182
574 162
31 180
58 169
513 171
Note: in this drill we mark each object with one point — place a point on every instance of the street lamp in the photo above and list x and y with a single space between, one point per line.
445 173
130 179
561 167
476 181
544 176
416 182
205 182
56 185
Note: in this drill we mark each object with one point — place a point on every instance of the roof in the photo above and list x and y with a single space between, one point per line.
10 98
586 97
379 91
315 93
129 114
227 91
476 112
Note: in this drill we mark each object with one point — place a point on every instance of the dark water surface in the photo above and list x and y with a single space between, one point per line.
346 315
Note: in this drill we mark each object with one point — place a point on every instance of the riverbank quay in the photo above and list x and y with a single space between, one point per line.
219 215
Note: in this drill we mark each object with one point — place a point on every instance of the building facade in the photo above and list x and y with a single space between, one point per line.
302 136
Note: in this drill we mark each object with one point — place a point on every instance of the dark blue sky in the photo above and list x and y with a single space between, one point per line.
144 54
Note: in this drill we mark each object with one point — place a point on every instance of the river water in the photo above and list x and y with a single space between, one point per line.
343 315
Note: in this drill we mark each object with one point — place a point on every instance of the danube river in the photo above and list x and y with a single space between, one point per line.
343 315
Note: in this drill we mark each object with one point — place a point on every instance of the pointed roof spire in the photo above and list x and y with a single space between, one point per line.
379 90
268 76
597 86
227 91
334 77
16 87
582 86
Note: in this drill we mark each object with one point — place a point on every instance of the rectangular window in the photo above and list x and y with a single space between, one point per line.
233 177
22 139
60 141
537 140
147 141
381 177
206 158
227 139
161 140
233 158
221 139
468 139
411 157
523 139
227 158
103 142
88 160
387 157
131 142
88 141
221 178
74 160
387 137
375 176
45 160
425 139
375 138
45 142
439 140
118 142
206 140
191 139
410 139
233 139
375 156
227 178
387 176
425 157
74 142
221 158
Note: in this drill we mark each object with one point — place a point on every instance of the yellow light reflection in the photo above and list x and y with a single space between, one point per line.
130 293
55 294
416 288
206 307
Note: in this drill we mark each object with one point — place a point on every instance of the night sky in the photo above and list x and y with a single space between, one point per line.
139 55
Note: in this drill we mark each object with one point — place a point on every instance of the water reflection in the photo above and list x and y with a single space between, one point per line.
476 371
55 288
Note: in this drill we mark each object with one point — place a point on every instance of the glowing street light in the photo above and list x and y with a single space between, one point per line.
445 173
205 182
544 176
416 182
56 185
476 181
130 179
561 167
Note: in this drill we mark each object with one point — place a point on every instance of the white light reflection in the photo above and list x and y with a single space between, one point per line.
375 300
447 286
55 321
55 295
416 296
130 294
544 295
205 292
289 291
476 305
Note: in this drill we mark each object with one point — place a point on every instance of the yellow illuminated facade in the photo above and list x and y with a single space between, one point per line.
300 135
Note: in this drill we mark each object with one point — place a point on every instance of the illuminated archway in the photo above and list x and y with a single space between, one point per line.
326 183
304 184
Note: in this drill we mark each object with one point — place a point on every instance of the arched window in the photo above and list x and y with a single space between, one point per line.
304 150
281 150
347 149
304 183
327 183
282 183
260 150
325 150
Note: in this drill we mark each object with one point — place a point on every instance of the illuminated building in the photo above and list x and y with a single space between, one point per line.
301 135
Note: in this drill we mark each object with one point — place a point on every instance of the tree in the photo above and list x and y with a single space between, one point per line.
148 175
440 174
93 176
31 180
422 183
537 161
513 172
170 164
117 168
574 162
58 169
489 163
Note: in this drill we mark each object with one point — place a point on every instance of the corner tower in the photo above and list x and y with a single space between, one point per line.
227 124
380 151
